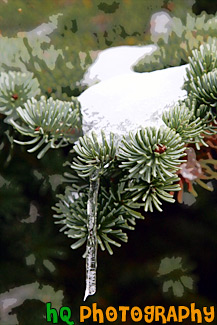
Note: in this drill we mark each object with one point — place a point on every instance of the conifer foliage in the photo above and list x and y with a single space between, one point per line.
113 181
51 122
15 89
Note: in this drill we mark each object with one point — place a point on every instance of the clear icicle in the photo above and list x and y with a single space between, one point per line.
91 249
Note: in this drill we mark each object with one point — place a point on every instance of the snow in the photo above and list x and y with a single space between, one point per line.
128 101
115 61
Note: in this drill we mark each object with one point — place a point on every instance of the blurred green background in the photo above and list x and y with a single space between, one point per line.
181 240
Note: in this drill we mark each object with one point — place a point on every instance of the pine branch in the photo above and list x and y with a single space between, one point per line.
202 61
183 122
112 218
93 155
152 153
93 159
49 122
15 89
204 89
152 194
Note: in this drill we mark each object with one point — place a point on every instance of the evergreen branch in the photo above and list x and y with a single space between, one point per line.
204 89
71 213
183 122
51 122
93 155
207 118
151 194
15 89
202 61
152 153
93 159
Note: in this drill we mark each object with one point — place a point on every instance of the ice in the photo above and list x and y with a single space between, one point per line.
91 249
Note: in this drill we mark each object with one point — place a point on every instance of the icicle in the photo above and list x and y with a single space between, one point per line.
91 249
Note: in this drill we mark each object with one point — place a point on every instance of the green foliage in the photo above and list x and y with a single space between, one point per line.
12 50
20 15
164 57
84 29
49 122
15 89
138 172
183 38
93 156
58 62
111 219
182 120
92 20
201 87
205 113
70 40
92 27
120 195
174 274
202 61
143 174
191 122
152 193
152 153
205 89
59 71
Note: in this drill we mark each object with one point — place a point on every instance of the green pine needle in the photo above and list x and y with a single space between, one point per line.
51 123
202 61
204 89
94 156
152 153
15 89
111 219
183 122
152 194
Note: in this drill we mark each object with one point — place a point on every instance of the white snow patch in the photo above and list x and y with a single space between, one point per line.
132 100
115 61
